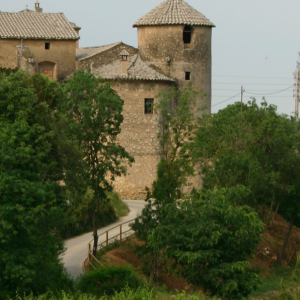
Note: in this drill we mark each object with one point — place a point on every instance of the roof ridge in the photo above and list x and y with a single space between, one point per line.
173 12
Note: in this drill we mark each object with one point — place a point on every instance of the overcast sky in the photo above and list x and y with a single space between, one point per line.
255 43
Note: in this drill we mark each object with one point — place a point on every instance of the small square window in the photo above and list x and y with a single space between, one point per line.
47 46
149 106
187 75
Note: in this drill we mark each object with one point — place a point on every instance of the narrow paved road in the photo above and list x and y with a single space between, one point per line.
77 248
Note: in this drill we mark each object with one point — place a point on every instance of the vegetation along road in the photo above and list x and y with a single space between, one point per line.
77 248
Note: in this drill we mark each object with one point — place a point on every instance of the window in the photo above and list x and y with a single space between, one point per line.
47 46
187 34
187 75
149 106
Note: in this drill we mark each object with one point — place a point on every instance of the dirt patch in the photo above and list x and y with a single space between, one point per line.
271 242
265 257
125 255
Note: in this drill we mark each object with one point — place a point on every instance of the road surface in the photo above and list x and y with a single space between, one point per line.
77 248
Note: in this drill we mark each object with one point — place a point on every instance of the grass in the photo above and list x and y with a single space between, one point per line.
120 207
272 283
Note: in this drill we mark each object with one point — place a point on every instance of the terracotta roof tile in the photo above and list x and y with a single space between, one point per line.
25 25
83 53
137 70
173 12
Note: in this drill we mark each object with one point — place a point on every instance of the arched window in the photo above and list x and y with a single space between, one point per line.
187 34
47 68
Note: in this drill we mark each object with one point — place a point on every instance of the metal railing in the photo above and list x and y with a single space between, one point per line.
121 237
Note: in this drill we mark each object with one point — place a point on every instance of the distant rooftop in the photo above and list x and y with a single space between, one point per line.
137 70
174 12
29 24
83 53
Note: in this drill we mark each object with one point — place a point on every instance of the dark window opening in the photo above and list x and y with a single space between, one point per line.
187 75
187 34
149 106
47 46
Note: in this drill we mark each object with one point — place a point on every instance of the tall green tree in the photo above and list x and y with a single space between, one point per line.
256 148
94 113
176 110
208 239
30 195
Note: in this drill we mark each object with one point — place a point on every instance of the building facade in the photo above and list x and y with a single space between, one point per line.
174 50
38 42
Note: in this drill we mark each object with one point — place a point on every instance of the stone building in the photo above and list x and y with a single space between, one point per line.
174 49
38 42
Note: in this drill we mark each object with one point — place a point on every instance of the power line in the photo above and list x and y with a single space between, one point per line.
253 77
270 93
237 83
226 100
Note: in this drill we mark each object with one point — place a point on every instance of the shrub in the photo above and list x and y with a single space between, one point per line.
106 280
121 208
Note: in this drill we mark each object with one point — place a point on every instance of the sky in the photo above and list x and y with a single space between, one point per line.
255 43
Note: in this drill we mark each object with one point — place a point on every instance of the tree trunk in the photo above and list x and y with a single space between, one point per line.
95 227
285 240
271 222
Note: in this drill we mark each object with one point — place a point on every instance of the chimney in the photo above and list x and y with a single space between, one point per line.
37 7
124 62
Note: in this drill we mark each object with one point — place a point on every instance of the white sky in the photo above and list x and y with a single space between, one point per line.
255 43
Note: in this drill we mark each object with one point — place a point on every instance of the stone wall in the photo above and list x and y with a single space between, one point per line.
105 57
139 137
162 47
62 53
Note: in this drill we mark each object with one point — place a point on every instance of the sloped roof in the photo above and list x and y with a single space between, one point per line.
173 12
137 70
83 53
26 25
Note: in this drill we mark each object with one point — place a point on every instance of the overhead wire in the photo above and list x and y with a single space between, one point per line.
277 92
226 100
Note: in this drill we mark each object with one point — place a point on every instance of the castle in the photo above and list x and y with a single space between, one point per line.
174 49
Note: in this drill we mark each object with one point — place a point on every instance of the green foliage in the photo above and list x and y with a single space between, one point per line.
94 114
79 213
8 71
177 122
119 206
32 203
209 239
258 149
141 293
108 279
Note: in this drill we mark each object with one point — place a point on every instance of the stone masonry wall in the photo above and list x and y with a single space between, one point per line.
157 43
139 137
61 53
105 57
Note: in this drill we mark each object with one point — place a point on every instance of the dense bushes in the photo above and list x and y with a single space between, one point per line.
80 209
106 280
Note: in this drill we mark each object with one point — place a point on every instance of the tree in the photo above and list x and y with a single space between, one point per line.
258 149
31 199
209 238
176 111
94 113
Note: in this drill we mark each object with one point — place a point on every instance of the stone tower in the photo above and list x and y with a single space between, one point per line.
175 39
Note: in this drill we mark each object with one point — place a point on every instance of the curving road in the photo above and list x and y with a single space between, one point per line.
77 248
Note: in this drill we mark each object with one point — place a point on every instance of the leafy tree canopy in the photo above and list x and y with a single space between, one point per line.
31 199
94 114
209 239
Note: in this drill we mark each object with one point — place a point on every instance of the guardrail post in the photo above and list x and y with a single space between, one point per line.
120 233
89 252
106 238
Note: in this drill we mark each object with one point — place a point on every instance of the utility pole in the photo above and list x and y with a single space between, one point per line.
242 91
297 97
